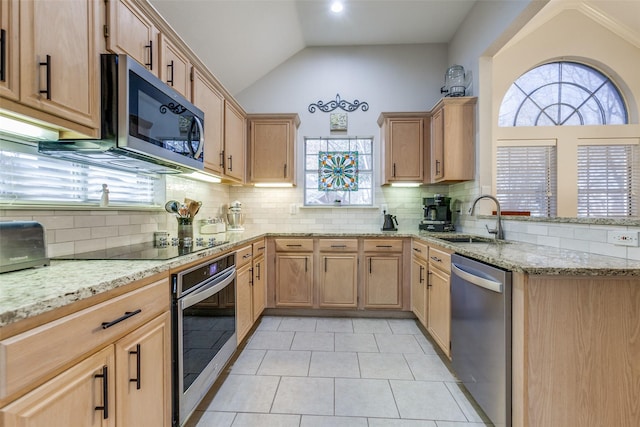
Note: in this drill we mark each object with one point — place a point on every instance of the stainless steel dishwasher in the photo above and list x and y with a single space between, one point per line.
481 334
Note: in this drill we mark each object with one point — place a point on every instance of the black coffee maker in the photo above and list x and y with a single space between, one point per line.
437 214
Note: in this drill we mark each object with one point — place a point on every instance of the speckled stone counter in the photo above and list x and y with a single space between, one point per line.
30 292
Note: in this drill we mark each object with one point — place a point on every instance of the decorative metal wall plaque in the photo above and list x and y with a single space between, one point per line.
338 171
338 103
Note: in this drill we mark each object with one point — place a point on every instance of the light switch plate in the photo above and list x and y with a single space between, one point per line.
623 238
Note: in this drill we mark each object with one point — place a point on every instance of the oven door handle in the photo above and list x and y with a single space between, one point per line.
205 291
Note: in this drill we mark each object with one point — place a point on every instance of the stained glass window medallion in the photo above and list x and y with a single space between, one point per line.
338 171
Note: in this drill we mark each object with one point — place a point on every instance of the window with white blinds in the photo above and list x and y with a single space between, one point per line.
30 178
527 179
607 181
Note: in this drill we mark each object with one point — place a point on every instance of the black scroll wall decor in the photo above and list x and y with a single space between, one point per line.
338 103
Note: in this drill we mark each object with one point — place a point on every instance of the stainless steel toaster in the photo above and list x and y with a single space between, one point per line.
22 245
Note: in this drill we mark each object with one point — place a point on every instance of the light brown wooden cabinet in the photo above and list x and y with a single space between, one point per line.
234 142
338 282
207 97
259 279
117 374
272 141
452 157
439 297
10 66
419 280
59 66
383 273
129 30
405 137
244 297
294 273
175 66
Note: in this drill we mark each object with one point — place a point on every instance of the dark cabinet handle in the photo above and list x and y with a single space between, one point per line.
150 47
339 246
417 250
251 276
3 55
285 170
127 314
105 393
429 279
47 64
230 158
369 265
137 378
306 262
294 246
170 81
436 259
245 256
222 159
437 167
325 264
258 273
421 276
384 246
394 170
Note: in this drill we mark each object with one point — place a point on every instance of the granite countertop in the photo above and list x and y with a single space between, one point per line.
30 292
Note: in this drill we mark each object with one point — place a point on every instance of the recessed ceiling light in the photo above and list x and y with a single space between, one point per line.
337 7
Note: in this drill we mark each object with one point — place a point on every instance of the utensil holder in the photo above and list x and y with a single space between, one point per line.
185 230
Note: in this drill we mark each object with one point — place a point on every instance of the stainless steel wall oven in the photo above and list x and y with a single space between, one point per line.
204 330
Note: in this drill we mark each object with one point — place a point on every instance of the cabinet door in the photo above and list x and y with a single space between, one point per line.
244 304
294 280
383 281
419 289
71 398
259 286
437 146
175 67
9 71
59 62
439 311
143 375
338 280
131 32
406 149
272 151
209 99
234 142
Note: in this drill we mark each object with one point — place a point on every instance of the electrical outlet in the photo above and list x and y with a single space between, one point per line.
293 209
623 238
384 207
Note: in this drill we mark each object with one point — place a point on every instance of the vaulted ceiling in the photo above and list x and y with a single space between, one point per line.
242 40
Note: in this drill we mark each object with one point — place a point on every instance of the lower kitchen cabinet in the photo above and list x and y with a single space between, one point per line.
439 298
104 365
243 299
294 280
419 280
338 281
259 286
126 384
383 281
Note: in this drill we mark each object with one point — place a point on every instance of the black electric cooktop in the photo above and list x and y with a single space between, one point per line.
142 251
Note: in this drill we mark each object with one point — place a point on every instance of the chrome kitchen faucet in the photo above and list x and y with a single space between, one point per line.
497 232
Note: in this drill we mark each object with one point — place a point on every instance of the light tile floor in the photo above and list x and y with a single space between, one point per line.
333 372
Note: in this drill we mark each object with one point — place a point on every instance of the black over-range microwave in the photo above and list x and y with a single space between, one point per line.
143 119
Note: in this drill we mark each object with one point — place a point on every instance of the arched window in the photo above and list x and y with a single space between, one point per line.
560 94
530 163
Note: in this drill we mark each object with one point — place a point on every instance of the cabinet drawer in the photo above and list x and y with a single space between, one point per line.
259 248
420 249
244 255
383 245
440 259
33 355
338 245
294 245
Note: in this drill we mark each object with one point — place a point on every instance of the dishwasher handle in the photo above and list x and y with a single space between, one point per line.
489 284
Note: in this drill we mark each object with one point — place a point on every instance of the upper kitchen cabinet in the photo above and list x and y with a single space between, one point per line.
130 31
210 100
452 156
175 67
9 65
59 61
404 138
234 142
272 140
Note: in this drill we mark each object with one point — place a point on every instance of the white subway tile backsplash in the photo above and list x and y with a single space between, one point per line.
101 232
72 234
89 221
59 249
89 245
56 222
121 219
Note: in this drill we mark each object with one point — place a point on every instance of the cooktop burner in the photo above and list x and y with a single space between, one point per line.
142 251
